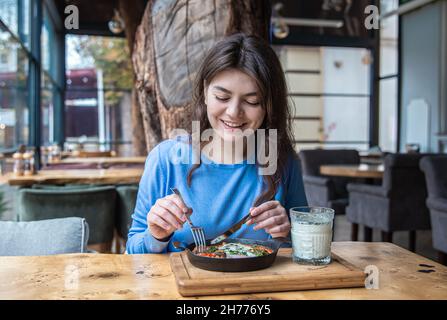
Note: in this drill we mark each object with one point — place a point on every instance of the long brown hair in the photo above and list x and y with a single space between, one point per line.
253 56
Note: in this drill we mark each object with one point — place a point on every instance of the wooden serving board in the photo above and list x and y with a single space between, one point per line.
283 275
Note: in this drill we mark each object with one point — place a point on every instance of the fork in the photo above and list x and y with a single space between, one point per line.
197 232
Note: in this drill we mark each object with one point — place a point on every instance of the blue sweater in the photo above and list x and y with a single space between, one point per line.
220 195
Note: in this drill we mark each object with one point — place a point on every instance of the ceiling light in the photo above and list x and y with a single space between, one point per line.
281 24
301 22
116 25
280 28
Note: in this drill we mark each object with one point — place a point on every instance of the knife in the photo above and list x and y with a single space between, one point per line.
230 231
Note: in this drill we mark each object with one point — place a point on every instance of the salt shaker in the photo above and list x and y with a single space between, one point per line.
18 164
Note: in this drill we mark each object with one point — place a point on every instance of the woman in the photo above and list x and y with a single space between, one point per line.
240 87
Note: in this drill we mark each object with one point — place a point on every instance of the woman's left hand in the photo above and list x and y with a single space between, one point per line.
272 217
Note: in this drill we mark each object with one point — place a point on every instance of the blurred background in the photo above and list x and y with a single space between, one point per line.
113 78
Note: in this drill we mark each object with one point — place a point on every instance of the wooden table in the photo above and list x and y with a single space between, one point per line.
101 160
88 176
368 171
354 171
149 276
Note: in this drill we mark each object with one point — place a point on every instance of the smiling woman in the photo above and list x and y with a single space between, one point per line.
245 66
232 99
240 88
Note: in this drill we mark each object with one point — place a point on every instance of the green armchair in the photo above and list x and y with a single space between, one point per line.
94 203
126 200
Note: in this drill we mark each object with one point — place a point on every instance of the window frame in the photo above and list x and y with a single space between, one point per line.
32 49
396 76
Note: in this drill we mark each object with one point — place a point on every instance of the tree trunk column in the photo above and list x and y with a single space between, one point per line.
170 44
131 12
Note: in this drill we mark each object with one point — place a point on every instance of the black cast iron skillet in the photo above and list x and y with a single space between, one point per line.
235 264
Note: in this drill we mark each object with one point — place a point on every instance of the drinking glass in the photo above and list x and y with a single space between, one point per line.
312 234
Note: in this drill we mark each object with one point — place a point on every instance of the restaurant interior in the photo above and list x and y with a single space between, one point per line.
89 87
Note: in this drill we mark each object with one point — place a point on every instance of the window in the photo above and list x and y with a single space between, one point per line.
329 93
4 59
47 98
388 81
98 97
388 114
14 77
15 14
9 15
50 87
19 63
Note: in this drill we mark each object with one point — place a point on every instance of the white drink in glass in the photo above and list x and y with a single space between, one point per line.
312 234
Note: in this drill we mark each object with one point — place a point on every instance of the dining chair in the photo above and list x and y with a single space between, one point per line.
325 191
44 237
94 203
435 169
398 204
125 206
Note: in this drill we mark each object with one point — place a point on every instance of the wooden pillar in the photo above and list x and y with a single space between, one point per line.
132 12
170 44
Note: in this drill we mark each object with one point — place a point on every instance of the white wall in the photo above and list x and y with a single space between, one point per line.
304 59
424 53
333 71
346 71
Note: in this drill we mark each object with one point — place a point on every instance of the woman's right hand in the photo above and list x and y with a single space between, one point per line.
166 216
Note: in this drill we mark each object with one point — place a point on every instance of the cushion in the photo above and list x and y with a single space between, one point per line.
43 237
